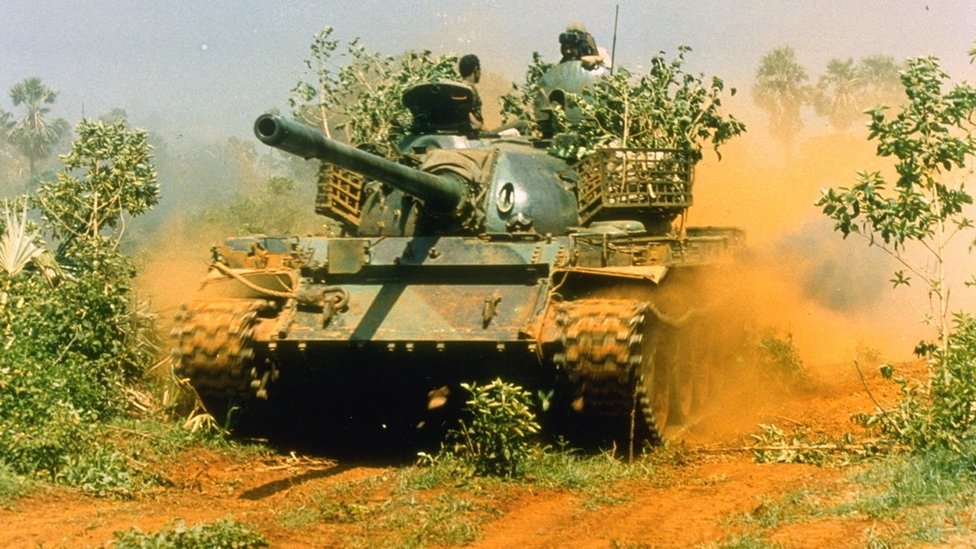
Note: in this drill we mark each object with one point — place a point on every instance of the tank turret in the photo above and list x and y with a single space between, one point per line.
463 184
441 194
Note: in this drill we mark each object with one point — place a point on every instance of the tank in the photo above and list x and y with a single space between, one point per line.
475 256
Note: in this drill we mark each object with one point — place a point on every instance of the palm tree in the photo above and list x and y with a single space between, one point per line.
846 90
6 123
6 161
881 77
839 94
33 134
781 91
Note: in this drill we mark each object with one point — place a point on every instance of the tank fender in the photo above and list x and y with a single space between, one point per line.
544 329
650 273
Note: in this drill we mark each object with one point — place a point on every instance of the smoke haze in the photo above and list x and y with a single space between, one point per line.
193 70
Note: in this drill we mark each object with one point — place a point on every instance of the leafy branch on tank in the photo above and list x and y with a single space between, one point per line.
665 108
361 98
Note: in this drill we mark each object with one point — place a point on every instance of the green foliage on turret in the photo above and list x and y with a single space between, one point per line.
362 98
665 108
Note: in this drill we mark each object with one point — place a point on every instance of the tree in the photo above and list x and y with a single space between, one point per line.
7 162
930 139
780 89
836 95
6 124
310 101
70 347
107 174
848 89
117 114
261 212
33 134
880 80
933 134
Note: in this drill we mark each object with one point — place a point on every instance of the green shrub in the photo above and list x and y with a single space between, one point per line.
780 362
71 335
493 438
100 471
221 534
940 412
12 485
68 350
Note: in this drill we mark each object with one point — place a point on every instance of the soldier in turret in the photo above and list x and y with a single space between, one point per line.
577 44
470 68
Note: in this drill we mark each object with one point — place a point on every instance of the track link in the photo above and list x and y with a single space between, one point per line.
609 362
213 345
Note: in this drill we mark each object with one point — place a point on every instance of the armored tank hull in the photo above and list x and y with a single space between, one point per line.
380 347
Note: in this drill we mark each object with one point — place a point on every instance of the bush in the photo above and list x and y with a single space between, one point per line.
68 350
494 437
780 361
940 413
71 335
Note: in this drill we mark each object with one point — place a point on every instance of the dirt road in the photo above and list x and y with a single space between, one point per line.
701 501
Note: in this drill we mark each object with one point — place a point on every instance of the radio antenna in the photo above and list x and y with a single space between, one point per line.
613 47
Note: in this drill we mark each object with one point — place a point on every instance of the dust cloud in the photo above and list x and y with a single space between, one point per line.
172 265
830 294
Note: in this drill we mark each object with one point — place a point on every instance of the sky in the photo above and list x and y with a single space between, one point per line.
207 69
196 72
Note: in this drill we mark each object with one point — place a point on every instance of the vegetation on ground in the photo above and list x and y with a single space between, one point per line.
920 488
908 499
439 503
73 335
494 437
932 143
221 534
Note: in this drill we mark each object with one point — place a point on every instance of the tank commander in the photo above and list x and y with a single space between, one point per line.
470 68
577 44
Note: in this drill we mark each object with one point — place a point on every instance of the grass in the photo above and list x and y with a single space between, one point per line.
369 513
218 534
908 499
749 540
931 496
131 458
12 485
440 501
136 455
904 500
773 513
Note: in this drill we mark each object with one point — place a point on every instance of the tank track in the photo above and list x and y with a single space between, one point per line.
213 346
606 354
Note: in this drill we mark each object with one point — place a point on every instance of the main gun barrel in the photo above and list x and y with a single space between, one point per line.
442 194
